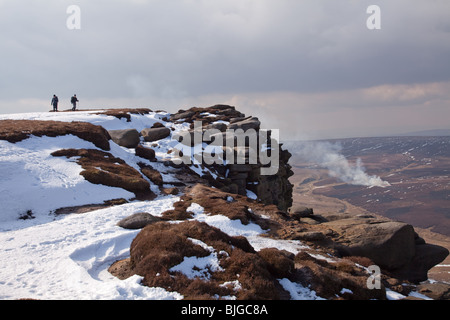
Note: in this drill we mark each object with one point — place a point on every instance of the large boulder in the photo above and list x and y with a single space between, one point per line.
155 134
128 138
138 220
392 245
425 258
182 115
250 123
145 153
389 244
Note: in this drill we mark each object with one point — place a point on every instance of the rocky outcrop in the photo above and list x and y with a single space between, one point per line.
154 134
239 271
394 246
145 153
336 241
239 177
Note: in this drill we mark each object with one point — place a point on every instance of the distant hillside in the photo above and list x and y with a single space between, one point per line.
428 133
416 168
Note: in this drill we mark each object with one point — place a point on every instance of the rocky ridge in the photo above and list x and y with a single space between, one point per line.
337 249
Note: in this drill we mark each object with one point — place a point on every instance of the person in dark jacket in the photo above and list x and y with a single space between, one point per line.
74 101
54 103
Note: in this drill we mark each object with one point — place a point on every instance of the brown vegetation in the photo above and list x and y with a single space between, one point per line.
125 112
18 130
103 168
160 246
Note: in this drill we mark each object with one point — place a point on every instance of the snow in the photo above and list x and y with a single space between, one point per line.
194 267
297 291
56 257
32 179
68 258
138 122
225 224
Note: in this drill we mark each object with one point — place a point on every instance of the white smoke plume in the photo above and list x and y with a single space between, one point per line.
329 156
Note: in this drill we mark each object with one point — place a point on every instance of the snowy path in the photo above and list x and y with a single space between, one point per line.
68 258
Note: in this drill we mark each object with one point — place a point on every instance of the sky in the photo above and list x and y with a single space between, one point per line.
311 68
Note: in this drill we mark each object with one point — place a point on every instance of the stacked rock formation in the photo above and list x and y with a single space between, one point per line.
239 178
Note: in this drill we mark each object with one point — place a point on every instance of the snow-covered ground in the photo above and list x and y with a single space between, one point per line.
67 256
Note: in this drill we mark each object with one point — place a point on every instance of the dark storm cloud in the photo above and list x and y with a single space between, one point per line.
311 67
189 48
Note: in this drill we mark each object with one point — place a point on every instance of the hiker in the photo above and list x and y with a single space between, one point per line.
74 101
54 103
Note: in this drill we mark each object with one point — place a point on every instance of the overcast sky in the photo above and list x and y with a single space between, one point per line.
311 68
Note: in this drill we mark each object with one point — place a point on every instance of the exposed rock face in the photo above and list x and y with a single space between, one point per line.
161 247
125 113
394 246
436 291
240 177
426 256
145 153
250 123
389 244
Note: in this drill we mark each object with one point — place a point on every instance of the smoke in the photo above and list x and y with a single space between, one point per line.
329 156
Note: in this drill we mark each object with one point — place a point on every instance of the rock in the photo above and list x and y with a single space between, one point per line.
309 220
128 138
137 221
18 130
365 216
298 212
189 137
145 153
329 280
238 175
182 115
426 256
240 168
173 191
158 125
387 243
251 123
394 246
217 126
155 134
436 291
310 236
